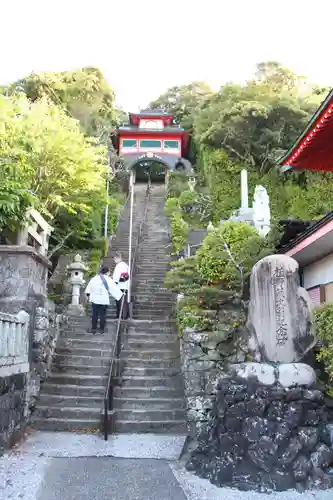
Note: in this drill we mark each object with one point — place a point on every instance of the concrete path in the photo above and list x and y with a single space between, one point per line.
65 466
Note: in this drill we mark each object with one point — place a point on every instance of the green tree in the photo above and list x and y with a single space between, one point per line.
83 93
46 158
183 101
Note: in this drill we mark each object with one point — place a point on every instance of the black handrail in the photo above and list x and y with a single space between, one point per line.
113 374
138 240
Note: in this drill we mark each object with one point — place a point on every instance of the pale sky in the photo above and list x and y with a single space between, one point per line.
145 46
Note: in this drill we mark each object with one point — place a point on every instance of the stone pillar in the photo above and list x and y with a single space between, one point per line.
244 191
23 278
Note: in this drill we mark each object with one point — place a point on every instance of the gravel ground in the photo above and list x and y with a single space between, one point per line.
35 470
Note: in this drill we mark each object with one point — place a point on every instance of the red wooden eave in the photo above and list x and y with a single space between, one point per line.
314 148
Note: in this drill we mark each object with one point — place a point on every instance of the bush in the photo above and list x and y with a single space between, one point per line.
323 320
96 256
171 207
215 264
187 200
177 183
179 233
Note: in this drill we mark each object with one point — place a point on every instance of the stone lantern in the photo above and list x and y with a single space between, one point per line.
76 279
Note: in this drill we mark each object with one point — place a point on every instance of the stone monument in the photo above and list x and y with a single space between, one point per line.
280 312
261 211
268 428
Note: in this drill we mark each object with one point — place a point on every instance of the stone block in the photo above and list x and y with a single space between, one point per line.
296 374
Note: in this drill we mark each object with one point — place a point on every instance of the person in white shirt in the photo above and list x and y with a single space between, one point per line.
98 292
121 278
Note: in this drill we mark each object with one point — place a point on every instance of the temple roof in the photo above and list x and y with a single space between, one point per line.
313 150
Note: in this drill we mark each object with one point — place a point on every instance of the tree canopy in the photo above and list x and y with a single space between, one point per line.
46 160
83 93
251 126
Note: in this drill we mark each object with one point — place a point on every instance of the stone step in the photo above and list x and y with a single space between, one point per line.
74 360
133 371
97 391
79 380
99 342
151 345
176 427
66 412
166 354
71 370
149 339
79 351
163 325
151 362
151 381
151 393
67 424
141 314
151 403
54 400
150 415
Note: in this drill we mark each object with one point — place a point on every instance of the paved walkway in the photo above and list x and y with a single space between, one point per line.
64 466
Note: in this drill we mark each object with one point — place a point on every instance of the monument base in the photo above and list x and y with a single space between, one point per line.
266 436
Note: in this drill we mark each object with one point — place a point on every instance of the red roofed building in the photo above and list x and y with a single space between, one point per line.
151 137
313 150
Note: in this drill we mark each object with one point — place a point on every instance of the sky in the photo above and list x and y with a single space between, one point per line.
145 46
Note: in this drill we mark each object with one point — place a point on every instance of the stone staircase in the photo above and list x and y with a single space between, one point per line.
72 397
150 397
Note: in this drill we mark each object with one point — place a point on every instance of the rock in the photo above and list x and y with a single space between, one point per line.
282 433
308 437
264 373
322 456
293 414
263 453
255 407
256 427
280 312
291 451
278 480
313 395
223 472
296 374
311 417
301 468
275 410
294 394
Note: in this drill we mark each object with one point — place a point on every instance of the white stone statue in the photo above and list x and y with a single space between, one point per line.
261 211
192 183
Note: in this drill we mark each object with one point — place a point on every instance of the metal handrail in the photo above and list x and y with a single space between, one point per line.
114 362
133 261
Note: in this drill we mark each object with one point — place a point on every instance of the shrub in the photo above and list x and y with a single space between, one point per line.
187 200
177 183
215 264
323 319
171 207
179 233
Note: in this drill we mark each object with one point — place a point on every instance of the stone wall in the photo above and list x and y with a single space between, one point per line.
12 408
23 284
205 356
46 333
267 431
